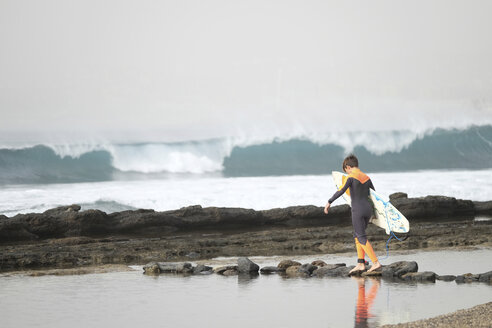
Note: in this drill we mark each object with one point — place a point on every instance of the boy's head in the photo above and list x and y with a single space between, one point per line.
351 161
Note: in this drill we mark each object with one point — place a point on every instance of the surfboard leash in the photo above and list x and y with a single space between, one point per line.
392 234
387 245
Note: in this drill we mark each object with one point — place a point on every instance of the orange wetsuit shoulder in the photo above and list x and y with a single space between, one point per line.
358 175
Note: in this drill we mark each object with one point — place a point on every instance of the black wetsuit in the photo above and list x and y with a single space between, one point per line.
361 207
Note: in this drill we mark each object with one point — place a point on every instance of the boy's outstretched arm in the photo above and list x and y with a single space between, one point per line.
337 194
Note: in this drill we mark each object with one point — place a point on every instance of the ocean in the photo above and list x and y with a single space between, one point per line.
236 172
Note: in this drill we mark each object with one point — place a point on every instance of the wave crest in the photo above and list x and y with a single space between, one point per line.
304 154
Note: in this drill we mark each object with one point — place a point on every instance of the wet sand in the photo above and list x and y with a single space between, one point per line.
479 316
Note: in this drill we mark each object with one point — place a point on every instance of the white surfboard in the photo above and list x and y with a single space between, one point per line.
385 215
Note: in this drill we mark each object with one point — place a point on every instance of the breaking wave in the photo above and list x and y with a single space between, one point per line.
469 148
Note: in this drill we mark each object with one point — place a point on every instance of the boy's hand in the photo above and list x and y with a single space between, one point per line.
327 207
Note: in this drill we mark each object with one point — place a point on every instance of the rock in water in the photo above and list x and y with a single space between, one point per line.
398 269
293 271
285 264
319 263
271 269
375 273
222 269
180 267
446 278
307 268
230 273
425 276
467 277
151 268
333 270
245 265
202 269
486 277
356 273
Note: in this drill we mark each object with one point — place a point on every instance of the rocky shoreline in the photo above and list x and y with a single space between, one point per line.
397 271
66 237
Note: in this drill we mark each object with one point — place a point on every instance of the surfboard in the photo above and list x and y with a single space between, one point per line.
385 215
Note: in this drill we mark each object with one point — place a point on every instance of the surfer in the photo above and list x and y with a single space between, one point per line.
358 184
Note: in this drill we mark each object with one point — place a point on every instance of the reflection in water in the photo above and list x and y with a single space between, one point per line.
365 301
246 279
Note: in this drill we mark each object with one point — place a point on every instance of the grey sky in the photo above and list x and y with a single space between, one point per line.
195 69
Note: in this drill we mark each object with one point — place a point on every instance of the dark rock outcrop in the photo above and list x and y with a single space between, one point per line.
470 277
285 264
202 269
80 251
245 265
375 273
293 271
68 237
398 269
62 210
333 270
271 269
434 207
467 277
151 268
483 208
426 276
168 267
307 268
486 277
69 221
231 272
319 263
171 267
446 277
307 216
228 268
397 195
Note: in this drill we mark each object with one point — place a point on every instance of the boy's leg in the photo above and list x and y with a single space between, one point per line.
361 263
370 252
360 251
360 223
367 248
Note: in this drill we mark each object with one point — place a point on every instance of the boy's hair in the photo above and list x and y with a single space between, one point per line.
350 160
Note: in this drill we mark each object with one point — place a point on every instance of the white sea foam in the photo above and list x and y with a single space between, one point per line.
250 192
174 158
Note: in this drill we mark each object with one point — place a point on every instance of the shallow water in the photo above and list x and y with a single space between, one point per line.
127 299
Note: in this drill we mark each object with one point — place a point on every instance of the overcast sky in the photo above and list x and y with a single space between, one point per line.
196 69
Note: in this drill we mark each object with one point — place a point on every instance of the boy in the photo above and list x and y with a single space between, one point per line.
358 184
